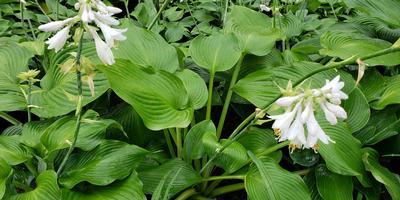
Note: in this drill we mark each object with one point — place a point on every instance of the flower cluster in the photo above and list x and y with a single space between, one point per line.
300 111
90 12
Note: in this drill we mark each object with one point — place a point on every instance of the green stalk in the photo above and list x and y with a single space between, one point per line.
273 148
126 2
225 12
210 91
213 178
31 28
179 142
227 189
169 143
186 194
229 96
57 9
164 5
29 100
41 9
78 109
9 118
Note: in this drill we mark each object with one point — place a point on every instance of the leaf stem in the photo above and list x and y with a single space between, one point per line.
273 148
28 101
126 2
9 118
78 109
227 189
186 194
229 96
210 93
178 142
169 143
164 5
213 178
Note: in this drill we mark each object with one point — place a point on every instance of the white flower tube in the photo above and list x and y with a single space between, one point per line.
111 34
288 101
55 26
58 40
103 50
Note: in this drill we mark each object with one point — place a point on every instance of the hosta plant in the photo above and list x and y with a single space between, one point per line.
201 99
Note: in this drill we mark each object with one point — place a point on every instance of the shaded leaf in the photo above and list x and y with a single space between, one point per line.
333 186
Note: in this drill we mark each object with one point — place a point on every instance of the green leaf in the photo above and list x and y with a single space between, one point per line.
158 96
60 134
187 177
260 87
253 30
127 189
390 95
310 181
33 131
13 151
333 186
13 60
344 45
47 188
380 173
132 124
58 93
110 161
304 157
216 53
357 102
193 144
372 91
145 48
5 173
232 158
195 86
344 156
267 180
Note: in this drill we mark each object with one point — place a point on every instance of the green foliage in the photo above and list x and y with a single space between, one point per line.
144 126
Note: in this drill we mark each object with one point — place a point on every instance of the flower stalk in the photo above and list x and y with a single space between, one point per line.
78 114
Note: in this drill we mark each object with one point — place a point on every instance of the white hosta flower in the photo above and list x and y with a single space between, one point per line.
288 101
56 25
103 50
264 8
111 34
58 40
300 113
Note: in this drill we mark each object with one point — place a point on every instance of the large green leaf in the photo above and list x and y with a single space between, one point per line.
267 180
110 161
33 131
343 156
13 151
60 134
372 91
216 53
385 10
232 158
13 60
57 95
390 95
333 186
47 188
158 96
195 86
260 87
5 172
253 30
344 45
127 189
356 103
187 177
311 183
146 48
380 173
193 144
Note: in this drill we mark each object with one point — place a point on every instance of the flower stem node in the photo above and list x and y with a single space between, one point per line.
298 124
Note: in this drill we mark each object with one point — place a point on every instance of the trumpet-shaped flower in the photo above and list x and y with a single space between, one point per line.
299 125
58 40
90 12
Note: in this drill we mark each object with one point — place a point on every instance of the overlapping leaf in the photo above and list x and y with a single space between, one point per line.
158 96
333 186
110 161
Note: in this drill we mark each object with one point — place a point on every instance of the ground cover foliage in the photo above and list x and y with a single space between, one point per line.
183 105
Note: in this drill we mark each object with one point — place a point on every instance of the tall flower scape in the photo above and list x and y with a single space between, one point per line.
300 107
93 14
